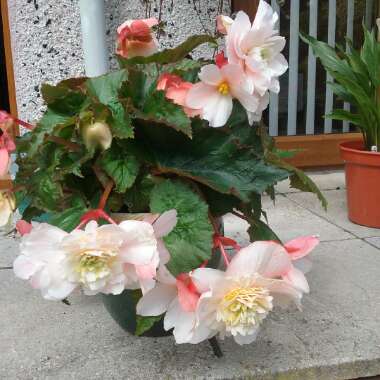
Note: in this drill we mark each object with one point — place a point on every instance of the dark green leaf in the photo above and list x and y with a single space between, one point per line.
190 243
106 89
298 179
158 109
47 192
226 162
121 165
144 324
68 219
47 125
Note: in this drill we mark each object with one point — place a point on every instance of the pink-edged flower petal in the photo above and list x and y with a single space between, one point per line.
297 279
24 267
279 264
301 247
264 16
200 95
165 223
23 227
156 301
150 21
211 75
140 244
4 161
187 298
284 293
262 257
206 278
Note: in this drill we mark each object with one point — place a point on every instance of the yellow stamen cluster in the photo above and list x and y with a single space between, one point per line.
244 308
224 88
94 265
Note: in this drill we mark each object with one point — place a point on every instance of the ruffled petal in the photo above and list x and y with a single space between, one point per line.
301 247
206 278
165 223
200 95
156 301
297 279
258 257
211 75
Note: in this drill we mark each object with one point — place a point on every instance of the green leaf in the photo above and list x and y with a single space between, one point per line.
260 231
137 198
172 55
47 192
230 163
345 116
68 219
298 179
62 99
144 324
121 165
190 243
47 125
106 89
370 55
158 109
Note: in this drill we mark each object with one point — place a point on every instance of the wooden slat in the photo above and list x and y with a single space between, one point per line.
5 182
293 67
248 6
274 101
331 41
311 70
8 58
350 35
318 150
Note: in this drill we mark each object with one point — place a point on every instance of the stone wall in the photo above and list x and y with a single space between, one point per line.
46 38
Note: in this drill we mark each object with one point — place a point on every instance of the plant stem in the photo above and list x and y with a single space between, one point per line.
68 144
215 347
106 194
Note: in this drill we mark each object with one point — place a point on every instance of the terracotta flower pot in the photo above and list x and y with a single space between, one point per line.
363 183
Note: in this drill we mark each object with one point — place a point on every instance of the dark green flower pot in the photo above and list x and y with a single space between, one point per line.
122 308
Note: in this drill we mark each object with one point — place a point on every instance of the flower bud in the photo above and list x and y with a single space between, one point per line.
223 24
97 134
7 207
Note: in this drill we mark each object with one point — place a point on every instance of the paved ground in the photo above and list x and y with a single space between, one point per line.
337 336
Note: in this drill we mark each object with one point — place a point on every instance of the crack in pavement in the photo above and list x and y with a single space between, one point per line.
334 224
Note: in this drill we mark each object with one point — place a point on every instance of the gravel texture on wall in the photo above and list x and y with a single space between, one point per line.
46 37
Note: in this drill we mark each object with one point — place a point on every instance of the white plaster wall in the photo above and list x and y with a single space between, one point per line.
46 39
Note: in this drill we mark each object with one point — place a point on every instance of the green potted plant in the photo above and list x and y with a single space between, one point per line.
122 182
356 77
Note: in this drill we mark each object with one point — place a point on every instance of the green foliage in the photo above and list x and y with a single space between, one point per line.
160 159
122 166
357 81
144 324
105 89
190 242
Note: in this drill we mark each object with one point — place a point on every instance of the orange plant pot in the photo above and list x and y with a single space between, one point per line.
363 183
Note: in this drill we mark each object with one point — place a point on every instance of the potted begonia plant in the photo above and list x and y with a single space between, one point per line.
356 77
121 185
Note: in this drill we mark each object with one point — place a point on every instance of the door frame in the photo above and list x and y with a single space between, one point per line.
5 182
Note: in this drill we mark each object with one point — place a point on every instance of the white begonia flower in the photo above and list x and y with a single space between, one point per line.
236 302
103 259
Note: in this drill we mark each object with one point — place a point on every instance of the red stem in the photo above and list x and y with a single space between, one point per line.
106 194
224 254
24 124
